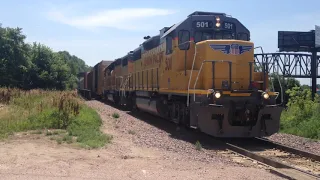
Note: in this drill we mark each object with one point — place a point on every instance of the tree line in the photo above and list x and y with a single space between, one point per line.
34 65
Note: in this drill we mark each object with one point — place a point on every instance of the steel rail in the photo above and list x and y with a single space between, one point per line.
291 149
281 169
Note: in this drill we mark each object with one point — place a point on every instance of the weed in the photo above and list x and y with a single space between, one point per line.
59 140
86 127
198 146
67 138
115 115
40 109
48 133
132 132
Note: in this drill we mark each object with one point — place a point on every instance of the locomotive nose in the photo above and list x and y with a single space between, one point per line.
230 64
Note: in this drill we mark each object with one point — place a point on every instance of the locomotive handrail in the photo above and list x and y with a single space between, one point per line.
124 84
260 48
280 89
265 67
213 61
264 70
118 77
194 58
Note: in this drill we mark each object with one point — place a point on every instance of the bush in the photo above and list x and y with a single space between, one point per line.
115 115
39 109
198 146
302 116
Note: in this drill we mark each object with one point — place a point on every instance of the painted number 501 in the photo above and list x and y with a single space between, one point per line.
228 25
202 24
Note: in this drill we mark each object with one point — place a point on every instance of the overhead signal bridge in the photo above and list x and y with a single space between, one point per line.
296 65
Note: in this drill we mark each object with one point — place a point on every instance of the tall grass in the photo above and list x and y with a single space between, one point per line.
41 109
302 116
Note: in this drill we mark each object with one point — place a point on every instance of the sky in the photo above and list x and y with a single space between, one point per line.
108 29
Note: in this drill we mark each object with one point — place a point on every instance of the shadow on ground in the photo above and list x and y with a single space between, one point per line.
177 132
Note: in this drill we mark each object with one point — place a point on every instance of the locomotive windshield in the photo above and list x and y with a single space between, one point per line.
201 36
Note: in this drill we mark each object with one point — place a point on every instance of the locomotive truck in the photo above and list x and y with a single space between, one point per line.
198 73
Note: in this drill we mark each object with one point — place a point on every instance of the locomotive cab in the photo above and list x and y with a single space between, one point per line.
225 96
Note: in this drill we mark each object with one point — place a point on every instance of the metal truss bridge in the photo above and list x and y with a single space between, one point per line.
296 65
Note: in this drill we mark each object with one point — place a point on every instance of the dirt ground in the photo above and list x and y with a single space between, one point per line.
141 153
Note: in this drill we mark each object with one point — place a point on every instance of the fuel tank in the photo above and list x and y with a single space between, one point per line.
152 106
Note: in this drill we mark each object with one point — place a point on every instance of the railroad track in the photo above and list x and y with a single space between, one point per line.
287 162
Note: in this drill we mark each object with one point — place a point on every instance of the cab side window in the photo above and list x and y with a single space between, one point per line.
197 37
184 37
168 44
243 36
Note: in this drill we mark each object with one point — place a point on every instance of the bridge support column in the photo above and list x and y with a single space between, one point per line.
314 72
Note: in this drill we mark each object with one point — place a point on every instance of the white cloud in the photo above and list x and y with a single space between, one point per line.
126 18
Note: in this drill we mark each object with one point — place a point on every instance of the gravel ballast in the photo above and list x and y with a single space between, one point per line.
149 131
297 142
176 145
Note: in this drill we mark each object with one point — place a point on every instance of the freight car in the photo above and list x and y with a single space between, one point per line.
198 73
91 83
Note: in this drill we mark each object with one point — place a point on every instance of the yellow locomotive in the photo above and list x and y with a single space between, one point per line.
199 73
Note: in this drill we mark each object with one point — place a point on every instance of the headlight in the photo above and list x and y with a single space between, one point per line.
218 22
217 95
265 95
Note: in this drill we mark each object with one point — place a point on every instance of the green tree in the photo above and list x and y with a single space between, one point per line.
35 65
279 82
14 62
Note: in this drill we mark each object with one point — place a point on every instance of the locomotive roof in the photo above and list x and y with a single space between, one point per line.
137 49
196 13
152 38
106 63
172 29
205 13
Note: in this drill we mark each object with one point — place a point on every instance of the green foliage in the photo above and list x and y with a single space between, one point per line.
115 115
86 128
39 109
198 146
31 66
286 83
302 116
